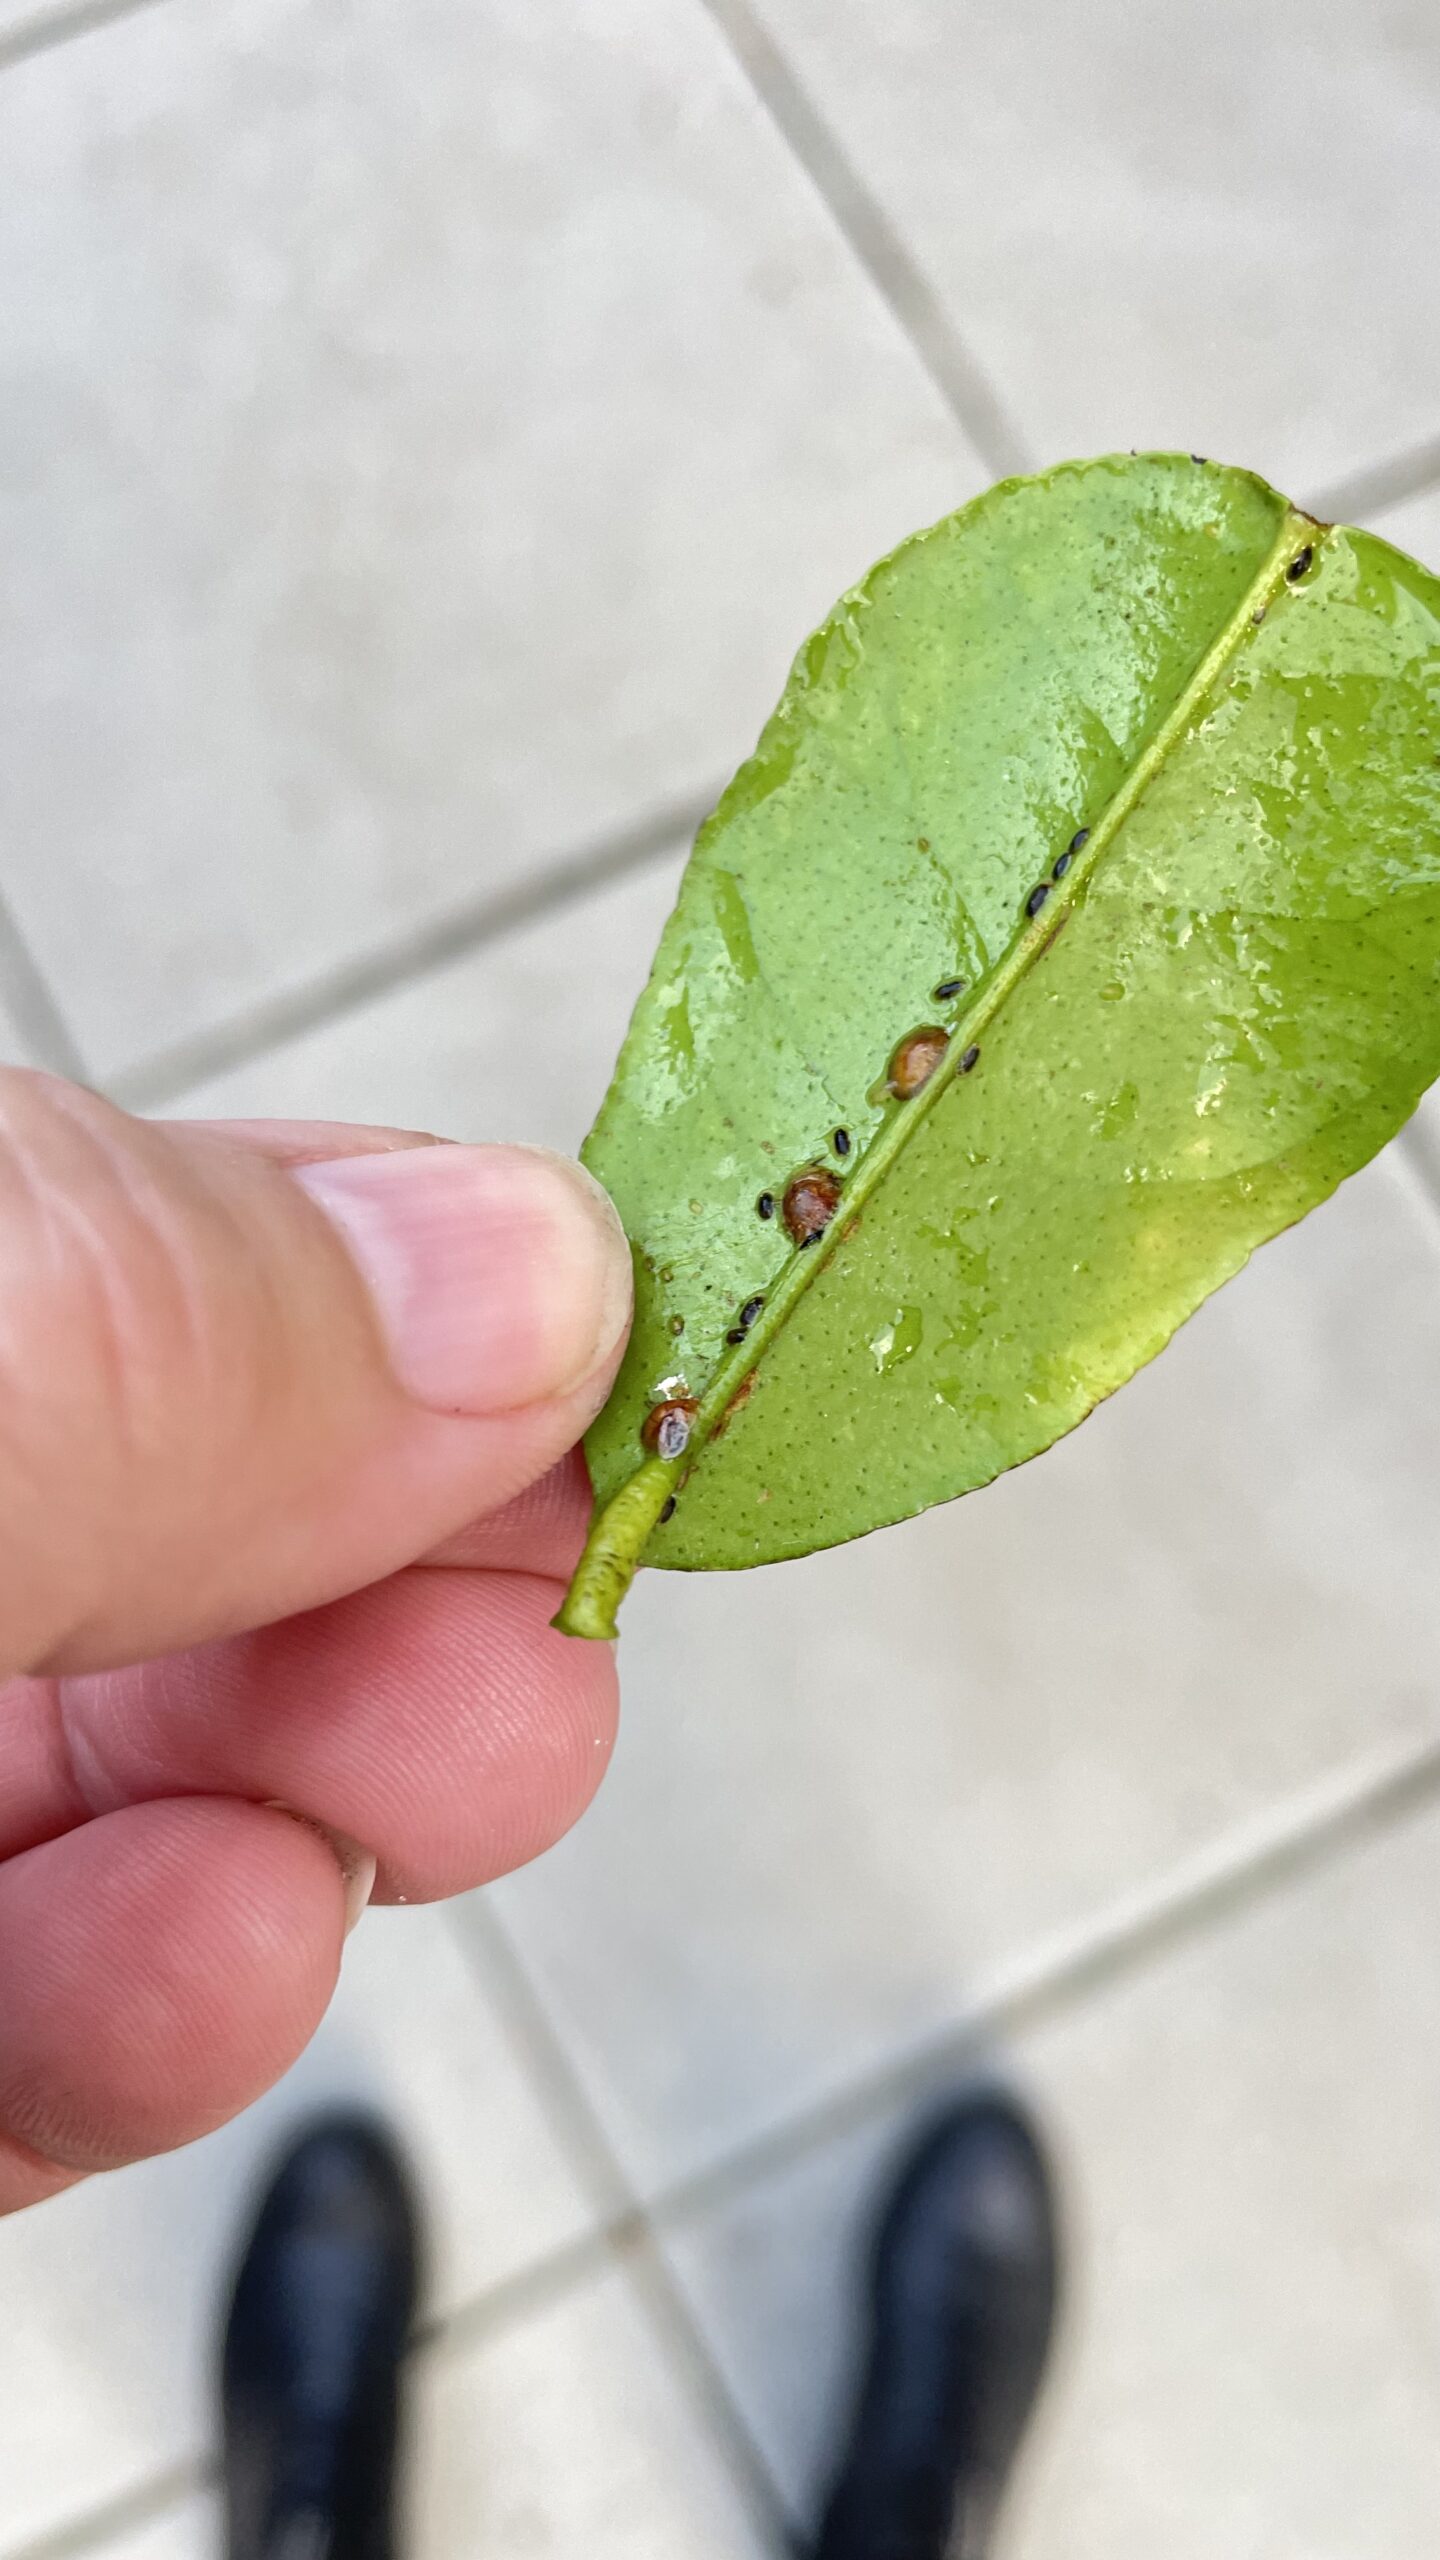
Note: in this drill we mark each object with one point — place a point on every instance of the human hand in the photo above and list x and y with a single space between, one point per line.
288 1492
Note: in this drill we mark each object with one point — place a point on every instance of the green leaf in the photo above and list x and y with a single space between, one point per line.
1228 1000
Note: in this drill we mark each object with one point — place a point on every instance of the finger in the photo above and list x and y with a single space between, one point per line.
231 1388
541 1531
39 1794
436 1718
26 2179
158 1970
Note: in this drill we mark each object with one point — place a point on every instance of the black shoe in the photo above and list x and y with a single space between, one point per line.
963 2293
317 2328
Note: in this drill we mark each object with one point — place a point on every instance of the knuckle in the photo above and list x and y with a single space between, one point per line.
101 1285
113 1355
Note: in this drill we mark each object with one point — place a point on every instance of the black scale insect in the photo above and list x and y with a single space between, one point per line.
747 1316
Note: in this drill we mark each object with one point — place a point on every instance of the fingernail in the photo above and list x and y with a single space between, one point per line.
358 1867
499 1275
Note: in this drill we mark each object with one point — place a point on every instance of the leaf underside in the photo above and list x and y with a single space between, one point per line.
1228 1001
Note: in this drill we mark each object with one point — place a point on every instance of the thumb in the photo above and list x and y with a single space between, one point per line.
233 1385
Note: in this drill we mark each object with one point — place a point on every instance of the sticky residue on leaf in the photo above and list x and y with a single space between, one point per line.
1232 1000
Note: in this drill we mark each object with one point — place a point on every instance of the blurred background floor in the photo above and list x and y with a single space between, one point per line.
425 434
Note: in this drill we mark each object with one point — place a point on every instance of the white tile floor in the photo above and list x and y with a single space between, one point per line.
423 437
1181 226
1253 2328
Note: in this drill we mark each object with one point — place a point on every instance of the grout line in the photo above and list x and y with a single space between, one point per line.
626 2234
492 1950
57 26
1216 1887
122 2514
1382 484
515 2297
1221 1885
690 2357
32 1007
520 2296
874 240
166 1074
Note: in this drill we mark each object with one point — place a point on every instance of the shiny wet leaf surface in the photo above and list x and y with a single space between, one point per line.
1074 927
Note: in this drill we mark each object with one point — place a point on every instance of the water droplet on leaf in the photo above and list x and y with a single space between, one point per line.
897 1340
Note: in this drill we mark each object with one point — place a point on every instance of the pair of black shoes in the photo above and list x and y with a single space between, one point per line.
962 2300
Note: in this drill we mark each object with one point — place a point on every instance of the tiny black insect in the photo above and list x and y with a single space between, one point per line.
949 987
667 1507
1199 457
748 1313
1081 836
970 1059
736 1333
1300 563
766 1204
841 1142
1062 865
1037 898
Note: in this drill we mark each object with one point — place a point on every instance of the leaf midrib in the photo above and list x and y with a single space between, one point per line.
620 1531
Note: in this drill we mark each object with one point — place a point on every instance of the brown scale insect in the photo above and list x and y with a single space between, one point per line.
811 1200
666 1427
916 1060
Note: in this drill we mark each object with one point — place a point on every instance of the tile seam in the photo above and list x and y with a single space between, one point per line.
874 241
